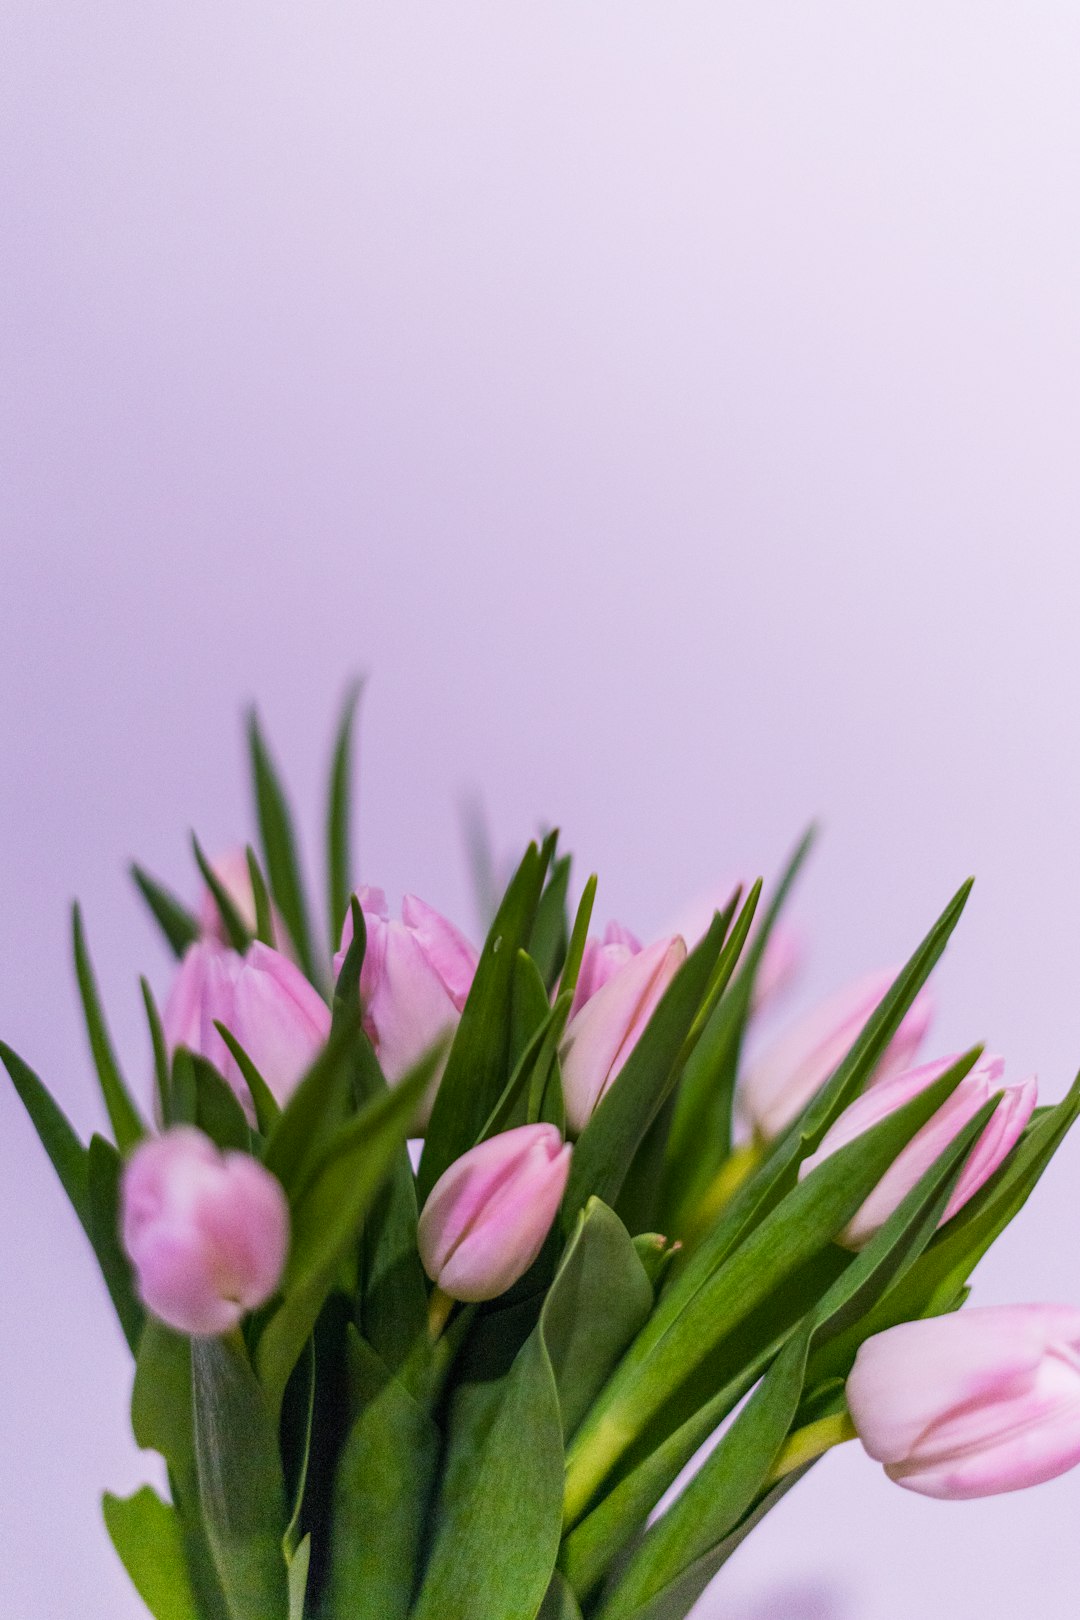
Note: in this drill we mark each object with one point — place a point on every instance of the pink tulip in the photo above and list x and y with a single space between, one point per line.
600 1038
416 977
1002 1133
206 1232
972 1404
489 1213
263 999
783 955
601 960
234 875
778 1086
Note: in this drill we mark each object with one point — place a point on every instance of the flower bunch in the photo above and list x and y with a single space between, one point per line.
456 1379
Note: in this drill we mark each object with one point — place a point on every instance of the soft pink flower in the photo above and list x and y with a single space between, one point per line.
974 1403
600 1038
263 999
489 1213
780 1083
1002 1132
234 875
207 1233
416 976
601 959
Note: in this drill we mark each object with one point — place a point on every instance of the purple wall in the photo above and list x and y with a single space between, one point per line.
676 409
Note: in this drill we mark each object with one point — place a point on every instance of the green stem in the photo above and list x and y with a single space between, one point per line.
803 1445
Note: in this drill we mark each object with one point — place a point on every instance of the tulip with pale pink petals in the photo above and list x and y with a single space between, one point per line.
601 960
601 1037
488 1215
788 1074
263 999
206 1232
979 1085
234 875
784 951
972 1404
414 983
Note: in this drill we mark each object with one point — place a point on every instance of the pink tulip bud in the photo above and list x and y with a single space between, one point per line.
489 1213
600 1038
416 976
206 1232
780 1083
972 1404
263 999
234 875
1002 1133
783 955
601 960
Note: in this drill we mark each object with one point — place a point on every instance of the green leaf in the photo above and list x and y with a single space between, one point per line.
279 849
327 1212
530 1005
218 1111
161 1399
609 1141
656 1253
598 1301
177 921
737 1471
298 1578
267 1108
807 1219
382 1492
163 1089
66 1153
500 1507
339 885
550 931
479 1063
236 929
560 1602
260 894
295 1430
316 1108
127 1126
147 1536
579 935
103 1169
240 1483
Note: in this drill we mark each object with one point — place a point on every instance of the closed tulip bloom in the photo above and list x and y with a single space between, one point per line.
263 999
489 1213
206 1233
972 1404
1000 1136
788 1074
234 875
415 980
601 960
600 1038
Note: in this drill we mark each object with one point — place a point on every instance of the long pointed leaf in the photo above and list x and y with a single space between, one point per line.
177 921
127 1125
339 884
280 848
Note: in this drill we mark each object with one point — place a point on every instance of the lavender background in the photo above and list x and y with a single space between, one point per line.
675 408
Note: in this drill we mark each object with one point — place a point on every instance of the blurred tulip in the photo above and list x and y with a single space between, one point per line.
416 977
974 1403
1002 1133
780 1083
263 999
601 960
783 955
207 1233
234 875
489 1213
600 1038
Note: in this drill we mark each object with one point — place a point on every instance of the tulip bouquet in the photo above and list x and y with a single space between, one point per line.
440 1266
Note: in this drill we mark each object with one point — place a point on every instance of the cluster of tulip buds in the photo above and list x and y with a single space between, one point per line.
569 1095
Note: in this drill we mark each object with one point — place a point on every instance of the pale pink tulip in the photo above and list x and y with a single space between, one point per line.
601 960
974 1403
263 999
234 875
600 1038
1002 1132
489 1213
788 1074
206 1232
416 976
